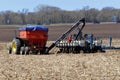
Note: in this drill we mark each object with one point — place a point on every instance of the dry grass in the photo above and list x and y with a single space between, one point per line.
97 66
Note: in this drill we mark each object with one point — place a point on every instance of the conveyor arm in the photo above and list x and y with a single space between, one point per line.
67 33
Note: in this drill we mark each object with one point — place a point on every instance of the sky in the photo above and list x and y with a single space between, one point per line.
16 5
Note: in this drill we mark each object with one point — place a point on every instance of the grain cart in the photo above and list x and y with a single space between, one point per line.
31 39
86 43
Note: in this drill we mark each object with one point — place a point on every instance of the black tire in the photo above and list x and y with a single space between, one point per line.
22 50
42 52
10 49
27 50
36 52
16 46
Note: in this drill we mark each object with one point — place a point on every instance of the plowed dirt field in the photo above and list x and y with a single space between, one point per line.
7 32
93 66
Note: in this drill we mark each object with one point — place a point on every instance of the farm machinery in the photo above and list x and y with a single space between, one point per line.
77 42
33 39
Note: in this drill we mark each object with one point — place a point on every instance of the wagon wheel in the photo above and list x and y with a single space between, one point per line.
16 46
44 51
10 49
27 50
36 52
22 50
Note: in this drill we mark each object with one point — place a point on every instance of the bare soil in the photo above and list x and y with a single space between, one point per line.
93 66
7 32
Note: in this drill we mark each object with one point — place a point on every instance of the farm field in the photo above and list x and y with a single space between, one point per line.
95 66
99 30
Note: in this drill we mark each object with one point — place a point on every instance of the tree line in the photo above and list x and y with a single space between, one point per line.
51 15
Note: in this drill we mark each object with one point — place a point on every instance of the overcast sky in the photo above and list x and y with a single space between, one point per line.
16 5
